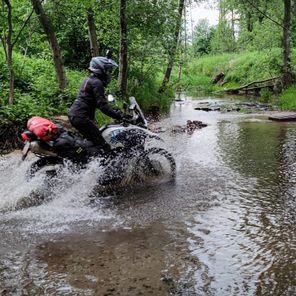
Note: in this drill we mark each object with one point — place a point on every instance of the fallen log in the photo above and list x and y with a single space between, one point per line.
250 86
283 117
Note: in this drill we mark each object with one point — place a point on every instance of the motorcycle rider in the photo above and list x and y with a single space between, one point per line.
91 96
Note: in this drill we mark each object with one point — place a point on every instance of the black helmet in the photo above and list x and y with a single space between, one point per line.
102 66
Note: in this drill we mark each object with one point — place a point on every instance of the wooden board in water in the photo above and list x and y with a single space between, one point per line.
289 117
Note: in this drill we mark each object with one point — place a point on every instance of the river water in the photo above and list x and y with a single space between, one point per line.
225 227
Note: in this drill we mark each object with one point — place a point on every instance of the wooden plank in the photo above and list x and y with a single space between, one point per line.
290 117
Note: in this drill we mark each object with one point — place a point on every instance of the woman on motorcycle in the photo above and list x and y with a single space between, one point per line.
91 96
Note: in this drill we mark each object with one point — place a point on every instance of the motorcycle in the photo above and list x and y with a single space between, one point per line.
129 155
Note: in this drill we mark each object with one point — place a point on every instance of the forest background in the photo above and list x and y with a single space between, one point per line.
47 46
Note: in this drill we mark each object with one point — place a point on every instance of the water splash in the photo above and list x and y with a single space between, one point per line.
53 205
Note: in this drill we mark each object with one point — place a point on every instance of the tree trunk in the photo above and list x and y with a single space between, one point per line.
222 12
8 51
178 86
8 44
172 54
232 25
11 76
249 22
94 46
287 69
293 23
122 76
49 31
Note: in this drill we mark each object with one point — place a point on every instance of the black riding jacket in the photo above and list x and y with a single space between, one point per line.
90 97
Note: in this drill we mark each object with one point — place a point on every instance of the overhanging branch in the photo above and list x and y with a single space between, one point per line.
4 46
22 28
264 14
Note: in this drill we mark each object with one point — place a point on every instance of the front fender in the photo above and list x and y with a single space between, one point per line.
152 135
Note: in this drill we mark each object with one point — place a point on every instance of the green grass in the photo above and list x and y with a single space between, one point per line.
288 99
239 68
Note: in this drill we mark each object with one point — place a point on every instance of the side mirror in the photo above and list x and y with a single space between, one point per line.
132 103
109 54
110 98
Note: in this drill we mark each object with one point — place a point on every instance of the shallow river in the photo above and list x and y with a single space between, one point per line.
225 227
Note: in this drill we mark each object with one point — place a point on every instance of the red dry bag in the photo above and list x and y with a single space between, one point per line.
43 128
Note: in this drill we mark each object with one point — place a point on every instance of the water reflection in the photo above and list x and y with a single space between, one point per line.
253 148
251 234
239 185
226 227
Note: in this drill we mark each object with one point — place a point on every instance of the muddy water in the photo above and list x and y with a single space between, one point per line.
225 227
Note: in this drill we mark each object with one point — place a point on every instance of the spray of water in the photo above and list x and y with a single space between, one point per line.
66 198
56 204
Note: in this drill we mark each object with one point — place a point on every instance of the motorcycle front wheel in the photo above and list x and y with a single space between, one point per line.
45 165
157 163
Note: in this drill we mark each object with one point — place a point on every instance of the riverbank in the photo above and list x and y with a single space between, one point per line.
239 69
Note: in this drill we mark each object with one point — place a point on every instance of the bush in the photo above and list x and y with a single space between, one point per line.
25 107
37 93
146 90
288 99
36 89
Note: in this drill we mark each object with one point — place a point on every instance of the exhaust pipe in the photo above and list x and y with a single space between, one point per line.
36 148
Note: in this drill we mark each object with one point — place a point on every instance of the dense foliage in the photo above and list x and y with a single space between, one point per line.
32 69
253 40
37 91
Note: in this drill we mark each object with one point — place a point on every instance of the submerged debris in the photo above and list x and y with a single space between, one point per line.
189 128
207 109
153 114
232 107
193 125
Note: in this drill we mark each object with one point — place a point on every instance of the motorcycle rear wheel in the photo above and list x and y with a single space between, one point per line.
41 165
